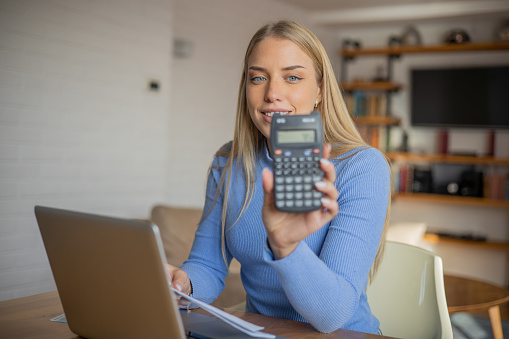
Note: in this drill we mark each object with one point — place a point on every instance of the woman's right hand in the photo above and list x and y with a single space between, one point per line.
181 282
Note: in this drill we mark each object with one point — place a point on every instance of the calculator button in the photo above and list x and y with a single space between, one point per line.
308 179
280 196
287 153
279 180
298 187
298 195
307 195
299 203
289 180
289 188
317 203
280 188
307 153
308 203
316 150
308 187
280 204
298 179
289 195
317 195
289 203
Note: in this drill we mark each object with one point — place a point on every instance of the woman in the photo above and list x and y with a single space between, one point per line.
310 266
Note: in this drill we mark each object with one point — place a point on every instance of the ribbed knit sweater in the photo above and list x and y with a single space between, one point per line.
323 281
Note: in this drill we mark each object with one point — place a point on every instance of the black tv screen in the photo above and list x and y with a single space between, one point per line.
460 97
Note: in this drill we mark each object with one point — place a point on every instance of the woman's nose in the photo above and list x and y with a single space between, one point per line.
274 91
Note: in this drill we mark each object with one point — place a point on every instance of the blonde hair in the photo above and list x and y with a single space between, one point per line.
338 127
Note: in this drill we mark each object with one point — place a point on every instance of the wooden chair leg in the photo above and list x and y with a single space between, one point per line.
496 322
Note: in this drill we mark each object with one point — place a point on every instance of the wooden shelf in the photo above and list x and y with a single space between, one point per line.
446 158
450 199
436 239
386 121
397 50
370 86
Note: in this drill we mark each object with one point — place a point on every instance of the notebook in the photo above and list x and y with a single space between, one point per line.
112 279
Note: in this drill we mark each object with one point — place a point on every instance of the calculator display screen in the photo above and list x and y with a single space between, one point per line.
296 136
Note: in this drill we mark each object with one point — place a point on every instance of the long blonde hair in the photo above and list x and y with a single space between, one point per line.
338 127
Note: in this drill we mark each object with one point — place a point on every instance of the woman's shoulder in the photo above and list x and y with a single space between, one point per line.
222 154
361 156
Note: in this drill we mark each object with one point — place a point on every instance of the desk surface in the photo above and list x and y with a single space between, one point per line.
29 317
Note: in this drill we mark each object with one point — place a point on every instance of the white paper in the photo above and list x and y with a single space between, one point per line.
242 325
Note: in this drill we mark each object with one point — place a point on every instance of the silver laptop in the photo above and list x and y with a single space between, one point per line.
112 279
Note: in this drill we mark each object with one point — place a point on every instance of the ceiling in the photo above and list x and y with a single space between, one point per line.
354 12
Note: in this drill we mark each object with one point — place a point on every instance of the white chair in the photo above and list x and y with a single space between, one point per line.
408 295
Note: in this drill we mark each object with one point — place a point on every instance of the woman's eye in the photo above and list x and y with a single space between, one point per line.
293 78
257 79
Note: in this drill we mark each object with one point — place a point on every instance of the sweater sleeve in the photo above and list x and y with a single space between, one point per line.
326 289
206 266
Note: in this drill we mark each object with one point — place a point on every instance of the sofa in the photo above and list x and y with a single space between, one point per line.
177 226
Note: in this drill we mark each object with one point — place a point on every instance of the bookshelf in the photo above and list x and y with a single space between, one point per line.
372 121
447 158
414 158
491 245
439 48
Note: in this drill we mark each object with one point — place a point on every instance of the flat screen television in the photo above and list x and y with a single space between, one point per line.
476 97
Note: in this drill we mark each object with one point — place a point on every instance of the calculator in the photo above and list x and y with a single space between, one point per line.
297 146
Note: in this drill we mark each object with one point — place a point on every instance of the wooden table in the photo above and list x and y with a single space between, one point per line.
29 317
466 295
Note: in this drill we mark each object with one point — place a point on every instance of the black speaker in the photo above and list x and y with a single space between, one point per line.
471 184
422 182
457 179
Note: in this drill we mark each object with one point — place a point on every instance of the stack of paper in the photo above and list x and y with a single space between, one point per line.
241 325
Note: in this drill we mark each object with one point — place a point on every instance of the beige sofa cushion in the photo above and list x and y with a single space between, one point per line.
177 226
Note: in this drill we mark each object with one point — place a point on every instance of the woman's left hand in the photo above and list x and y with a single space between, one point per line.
285 230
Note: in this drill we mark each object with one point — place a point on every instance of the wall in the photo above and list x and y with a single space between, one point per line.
490 222
78 127
80 130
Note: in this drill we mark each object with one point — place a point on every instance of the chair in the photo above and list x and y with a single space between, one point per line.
408 295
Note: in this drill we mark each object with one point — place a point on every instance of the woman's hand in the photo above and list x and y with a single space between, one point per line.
285 230
180 281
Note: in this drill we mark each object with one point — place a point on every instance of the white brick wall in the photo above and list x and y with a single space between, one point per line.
80 130
78 127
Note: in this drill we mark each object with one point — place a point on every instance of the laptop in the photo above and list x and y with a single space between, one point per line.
112 279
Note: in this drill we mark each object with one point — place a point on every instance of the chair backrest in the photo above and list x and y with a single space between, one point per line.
408 295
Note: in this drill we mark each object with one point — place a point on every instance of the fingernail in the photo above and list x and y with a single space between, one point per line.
325 201
320 184
178 287
185 302
324 161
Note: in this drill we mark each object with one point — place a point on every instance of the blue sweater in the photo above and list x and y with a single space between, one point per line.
323 281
